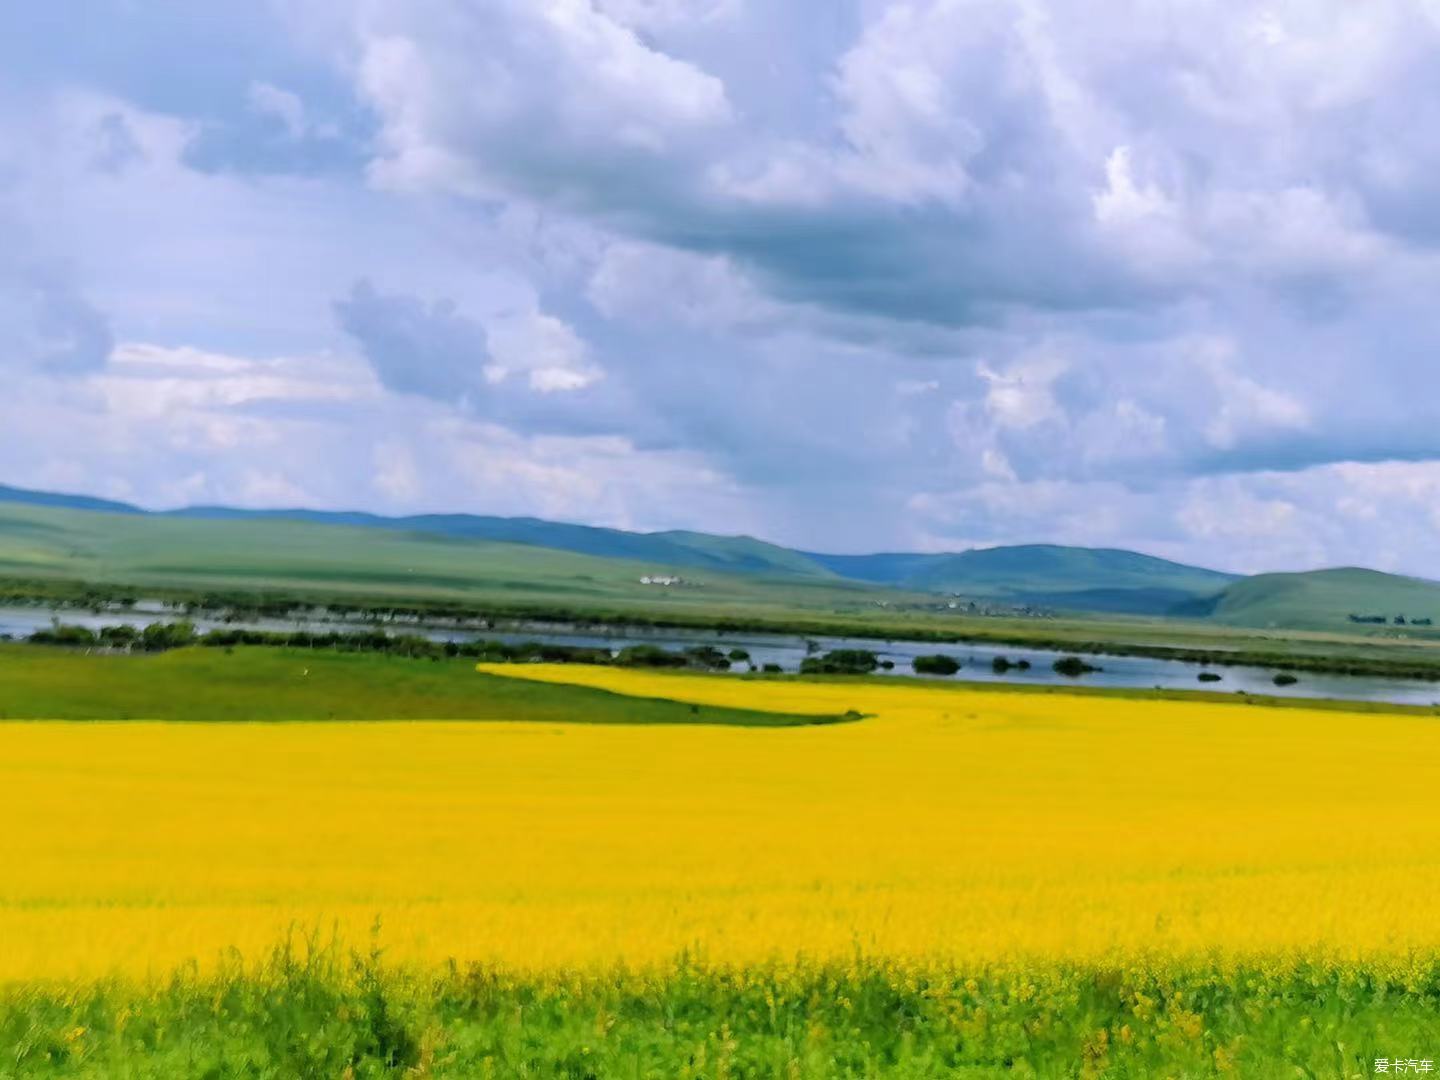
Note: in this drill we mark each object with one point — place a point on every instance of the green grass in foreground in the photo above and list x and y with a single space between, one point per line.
194 684
303 1016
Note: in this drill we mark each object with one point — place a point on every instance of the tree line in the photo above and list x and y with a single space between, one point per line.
163 636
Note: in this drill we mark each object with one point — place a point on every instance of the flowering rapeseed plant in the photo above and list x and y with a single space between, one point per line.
949 826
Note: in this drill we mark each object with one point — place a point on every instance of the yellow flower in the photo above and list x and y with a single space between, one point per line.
1040 828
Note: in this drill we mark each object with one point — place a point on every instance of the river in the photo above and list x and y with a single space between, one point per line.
1128 672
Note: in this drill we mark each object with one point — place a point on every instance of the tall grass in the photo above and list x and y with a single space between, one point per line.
312 1012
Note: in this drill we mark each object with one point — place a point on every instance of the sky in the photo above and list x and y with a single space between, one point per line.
848 275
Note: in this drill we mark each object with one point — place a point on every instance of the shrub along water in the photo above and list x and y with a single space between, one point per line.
157 637
938 664
163 636
841 662
243 605
1073 666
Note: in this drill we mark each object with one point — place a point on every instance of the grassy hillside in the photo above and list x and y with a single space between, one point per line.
1043 575
201 554
884 568
740 579
1325 600
685 550
72 502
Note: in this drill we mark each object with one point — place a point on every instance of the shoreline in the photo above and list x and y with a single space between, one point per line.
1090 637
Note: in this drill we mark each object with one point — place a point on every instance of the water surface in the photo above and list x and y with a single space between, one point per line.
1126 672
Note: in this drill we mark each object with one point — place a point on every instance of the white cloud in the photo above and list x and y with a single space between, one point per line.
604 480
286 107
545 349
1124 201
397 474
697 290
1108 276
654 15
603 89
154 381
1123 432
1245 406
1022 396
260 488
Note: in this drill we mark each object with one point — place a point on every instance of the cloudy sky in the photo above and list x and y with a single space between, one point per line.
845 274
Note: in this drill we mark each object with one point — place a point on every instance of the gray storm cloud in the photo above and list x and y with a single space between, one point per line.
949 270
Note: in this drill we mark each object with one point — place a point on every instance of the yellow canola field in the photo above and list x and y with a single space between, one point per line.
949 825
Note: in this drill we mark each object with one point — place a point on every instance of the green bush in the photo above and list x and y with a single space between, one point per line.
841 662
63 634
939 664
1073 667
649 656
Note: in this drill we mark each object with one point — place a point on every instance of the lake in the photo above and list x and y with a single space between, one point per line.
1129 672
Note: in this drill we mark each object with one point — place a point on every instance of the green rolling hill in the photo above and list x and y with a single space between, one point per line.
1323 600
206 554
696 551
70 502
738 554
528 560
1040 575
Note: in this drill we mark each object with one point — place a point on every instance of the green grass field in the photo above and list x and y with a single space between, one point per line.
265 684
328 1015
262 683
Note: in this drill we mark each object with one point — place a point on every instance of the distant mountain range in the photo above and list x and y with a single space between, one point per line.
1039 575
1043 575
